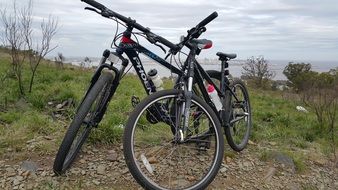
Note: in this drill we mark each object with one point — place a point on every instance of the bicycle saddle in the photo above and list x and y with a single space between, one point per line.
224 56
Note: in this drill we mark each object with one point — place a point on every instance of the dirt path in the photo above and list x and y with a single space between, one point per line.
105 168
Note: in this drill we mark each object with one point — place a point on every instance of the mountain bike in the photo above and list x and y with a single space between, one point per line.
106 79
171 139
177 146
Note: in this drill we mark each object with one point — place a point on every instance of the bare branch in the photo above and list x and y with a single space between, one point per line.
48 30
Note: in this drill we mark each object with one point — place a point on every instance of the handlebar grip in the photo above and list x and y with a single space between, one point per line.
94 4
167 43
208 19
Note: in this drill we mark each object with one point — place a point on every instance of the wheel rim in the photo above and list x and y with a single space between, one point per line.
174 165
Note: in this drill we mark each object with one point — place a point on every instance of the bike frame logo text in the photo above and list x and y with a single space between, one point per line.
142 74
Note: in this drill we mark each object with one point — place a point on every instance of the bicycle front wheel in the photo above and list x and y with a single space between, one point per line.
158 159
82 123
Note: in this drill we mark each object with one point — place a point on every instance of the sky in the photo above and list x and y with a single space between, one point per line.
276 29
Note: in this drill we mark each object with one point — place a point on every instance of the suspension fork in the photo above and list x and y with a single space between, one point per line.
98 117
112 87
188 93
97 73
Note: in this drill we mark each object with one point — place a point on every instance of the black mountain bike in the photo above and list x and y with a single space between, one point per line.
106 80
171 140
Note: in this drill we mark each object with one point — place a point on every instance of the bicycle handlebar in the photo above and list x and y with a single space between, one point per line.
95 4
109 13
204 22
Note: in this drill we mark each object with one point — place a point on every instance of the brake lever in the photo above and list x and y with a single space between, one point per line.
92 9
166 57
161 47
152 39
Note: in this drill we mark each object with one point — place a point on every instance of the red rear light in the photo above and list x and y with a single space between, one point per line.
208 45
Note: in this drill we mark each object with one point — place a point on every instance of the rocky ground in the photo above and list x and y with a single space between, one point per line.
103 167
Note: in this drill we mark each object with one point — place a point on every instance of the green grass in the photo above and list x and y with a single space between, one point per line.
276 119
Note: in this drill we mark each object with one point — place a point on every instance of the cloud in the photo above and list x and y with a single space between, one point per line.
275 28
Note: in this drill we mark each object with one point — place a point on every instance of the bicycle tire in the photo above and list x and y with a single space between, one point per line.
133 129
74 137
238 143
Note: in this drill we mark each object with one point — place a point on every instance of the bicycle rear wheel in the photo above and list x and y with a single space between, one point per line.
240 121
159 159
82 123
237 113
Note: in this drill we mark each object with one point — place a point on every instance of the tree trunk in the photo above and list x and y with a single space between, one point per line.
32 80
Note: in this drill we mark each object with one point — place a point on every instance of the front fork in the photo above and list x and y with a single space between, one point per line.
117 76
187 99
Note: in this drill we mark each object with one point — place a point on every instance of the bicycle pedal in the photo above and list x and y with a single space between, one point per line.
134 101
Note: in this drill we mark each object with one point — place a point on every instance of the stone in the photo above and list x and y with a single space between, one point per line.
17 180
101 169
82 161
95 150
223 170
29 166
124 171
10 172
83 172
112 157
22 186
284 160
59 106
96 182
271 172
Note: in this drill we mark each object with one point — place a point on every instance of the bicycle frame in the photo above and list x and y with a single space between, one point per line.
132 49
